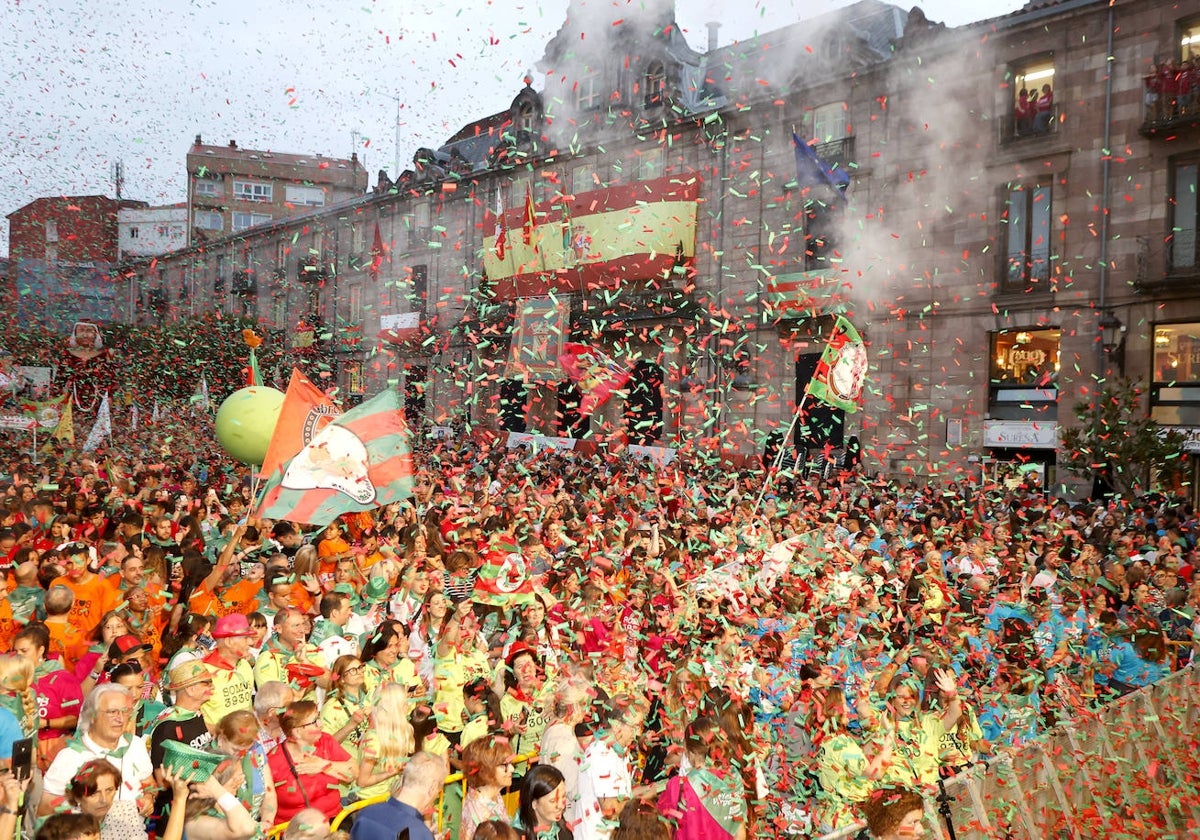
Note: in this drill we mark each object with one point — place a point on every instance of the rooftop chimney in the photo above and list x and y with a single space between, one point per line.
233 144
713 28
198 142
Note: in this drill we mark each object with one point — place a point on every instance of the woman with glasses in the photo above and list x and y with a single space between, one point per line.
487 768
347 709
308 765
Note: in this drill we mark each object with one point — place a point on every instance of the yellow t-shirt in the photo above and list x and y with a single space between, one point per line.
841 770
403 672
370 752
272 663
918 745
233 690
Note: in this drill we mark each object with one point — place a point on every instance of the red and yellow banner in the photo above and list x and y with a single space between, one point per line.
594 240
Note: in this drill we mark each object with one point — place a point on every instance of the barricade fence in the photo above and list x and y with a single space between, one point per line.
1128 769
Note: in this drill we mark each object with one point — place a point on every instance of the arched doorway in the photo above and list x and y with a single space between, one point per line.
644 407
513 396
570 422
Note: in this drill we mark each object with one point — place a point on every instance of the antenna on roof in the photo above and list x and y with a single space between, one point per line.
118 176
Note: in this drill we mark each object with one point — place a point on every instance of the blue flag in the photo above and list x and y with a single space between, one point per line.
811 170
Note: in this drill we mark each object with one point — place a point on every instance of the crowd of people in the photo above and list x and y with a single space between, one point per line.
633 650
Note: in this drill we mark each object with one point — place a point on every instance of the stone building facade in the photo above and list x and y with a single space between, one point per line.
652 201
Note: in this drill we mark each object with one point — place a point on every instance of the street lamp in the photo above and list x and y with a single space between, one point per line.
1112 338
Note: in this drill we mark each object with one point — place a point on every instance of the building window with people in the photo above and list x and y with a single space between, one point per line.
1033 113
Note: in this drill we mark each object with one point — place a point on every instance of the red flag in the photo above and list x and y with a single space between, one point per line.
594 373
501 233
530 217
360 461
306 410
376 253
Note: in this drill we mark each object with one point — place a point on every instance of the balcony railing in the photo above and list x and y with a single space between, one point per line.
1012 131
838 152
1169 116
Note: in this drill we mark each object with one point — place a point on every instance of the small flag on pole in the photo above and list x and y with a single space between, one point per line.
530 217
842 370
500 232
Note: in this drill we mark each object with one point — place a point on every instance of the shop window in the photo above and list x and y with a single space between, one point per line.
416 383
1023 374
1026 220
1175 391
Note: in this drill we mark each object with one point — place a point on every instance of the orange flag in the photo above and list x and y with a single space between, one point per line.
306 410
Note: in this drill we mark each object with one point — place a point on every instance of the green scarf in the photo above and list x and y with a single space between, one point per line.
723 797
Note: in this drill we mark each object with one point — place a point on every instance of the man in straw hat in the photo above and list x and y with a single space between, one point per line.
191 684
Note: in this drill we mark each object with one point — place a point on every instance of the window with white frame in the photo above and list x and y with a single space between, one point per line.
253 191
587 92
51 230
355 305
829 122
304 196
241 221
583 178
133 233
650 164
208 220
209 188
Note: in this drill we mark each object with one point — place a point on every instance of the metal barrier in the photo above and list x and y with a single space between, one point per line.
449 807
1128 769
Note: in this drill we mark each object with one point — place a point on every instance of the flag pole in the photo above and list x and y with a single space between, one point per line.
778 459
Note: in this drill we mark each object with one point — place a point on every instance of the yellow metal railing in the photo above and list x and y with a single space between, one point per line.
454 783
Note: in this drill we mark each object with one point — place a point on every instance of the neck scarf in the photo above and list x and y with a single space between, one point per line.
722 797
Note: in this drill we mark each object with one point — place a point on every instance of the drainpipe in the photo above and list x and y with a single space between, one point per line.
1105 167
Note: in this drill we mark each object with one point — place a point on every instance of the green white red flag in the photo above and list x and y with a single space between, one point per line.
360 461
504 578
842 369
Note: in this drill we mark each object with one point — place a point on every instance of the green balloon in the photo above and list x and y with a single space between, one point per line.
246 421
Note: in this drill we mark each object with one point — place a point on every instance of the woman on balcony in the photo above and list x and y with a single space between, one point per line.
1044 111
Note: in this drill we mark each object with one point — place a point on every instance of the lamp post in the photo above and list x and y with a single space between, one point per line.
1112 339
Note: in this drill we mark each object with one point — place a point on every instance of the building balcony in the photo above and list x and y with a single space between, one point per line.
1165 119
837 153
1012 131
1158 269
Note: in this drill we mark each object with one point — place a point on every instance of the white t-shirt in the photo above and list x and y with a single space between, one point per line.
560 748
602 775
134 765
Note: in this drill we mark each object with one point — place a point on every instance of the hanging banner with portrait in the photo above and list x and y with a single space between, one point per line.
537 340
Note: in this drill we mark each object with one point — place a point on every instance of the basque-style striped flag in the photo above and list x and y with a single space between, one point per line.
360 461
504 578
842 369
306 410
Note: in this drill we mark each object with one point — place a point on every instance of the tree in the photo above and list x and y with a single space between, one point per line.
1115 439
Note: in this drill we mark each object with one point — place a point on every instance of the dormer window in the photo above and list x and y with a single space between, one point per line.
654 84
525 117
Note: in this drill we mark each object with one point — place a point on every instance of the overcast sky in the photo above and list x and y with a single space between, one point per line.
88 83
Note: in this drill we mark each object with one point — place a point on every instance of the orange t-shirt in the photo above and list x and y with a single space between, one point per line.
65 643
242 598
93 598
